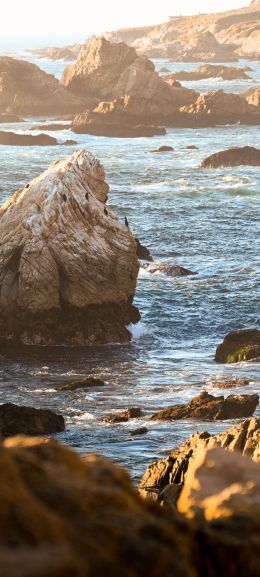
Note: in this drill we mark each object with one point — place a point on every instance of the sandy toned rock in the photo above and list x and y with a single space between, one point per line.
26 89
239 346
123 416
68 267
205 71
253 97
229 383
10 118
15 139
246 155
243 437
208 407
20 420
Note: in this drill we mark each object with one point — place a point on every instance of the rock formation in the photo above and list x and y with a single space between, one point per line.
239 346
26 89
123 416
253 96
15 139
208 407
16 420
68 267
205 71
246 155
243 437
167 269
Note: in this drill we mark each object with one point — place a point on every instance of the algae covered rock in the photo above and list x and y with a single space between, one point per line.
239 346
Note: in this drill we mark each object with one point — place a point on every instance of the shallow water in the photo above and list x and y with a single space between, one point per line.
205 220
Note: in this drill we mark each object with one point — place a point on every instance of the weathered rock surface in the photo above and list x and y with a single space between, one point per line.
205 71
123 416
243 437
62 516
17 420
26 89
239 346
218 108
252 96
69 52
246 155
14 139
68 267
142 251
208 407
167 269
230 383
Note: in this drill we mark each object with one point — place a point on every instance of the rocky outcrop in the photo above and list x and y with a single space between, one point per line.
14 139
142 251
246 155
82 384
68 267
26 89
172 470
68 53
17 420
123 416
252 96
218 108
211 71
239 346
167 269
208 407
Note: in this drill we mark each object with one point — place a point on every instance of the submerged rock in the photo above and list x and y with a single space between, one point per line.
82 384
124 416
14 139
68 267
243 437
246 155
17 420
239 346
140 431
208 407
230 382
163 148
167 269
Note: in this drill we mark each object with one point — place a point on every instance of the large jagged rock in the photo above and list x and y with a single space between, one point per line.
208 407
62 516
239 346
205 71
26 89
68 267
132 99
246 155
243 437
19 420
219 108
253 97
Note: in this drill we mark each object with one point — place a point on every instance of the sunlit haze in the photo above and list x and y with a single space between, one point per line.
55 21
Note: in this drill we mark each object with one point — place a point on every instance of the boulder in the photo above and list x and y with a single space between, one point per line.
218 108
243 345
82 384
17 420
163 148
208 407
245 155
192 147
205 71
167 269
123 416
65 516
140 431
243 437
68 267
14 139
26 89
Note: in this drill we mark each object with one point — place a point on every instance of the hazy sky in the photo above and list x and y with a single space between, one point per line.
25 20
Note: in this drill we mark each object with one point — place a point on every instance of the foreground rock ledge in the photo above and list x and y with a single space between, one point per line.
68 267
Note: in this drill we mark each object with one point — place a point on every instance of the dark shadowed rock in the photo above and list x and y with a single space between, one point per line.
17 420
163 148
239 346
246 155
167 269
140 431
142 251
13 139
124 416
82 384
208 407
192 147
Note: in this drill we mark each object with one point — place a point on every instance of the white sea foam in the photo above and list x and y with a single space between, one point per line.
138 330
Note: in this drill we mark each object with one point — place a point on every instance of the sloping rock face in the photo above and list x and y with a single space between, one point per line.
206 406
16 420
64 517
26 89
219 108
244 437
68 267
239 346
253 97
246 155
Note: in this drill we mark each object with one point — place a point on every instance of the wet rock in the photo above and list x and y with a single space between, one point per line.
167 269
208 407
243 437
163 148
212 71
67 271
17 420
192 147
140 431
83 384
69 142
26 89
124 416
57 511
142 251
230 382
52 127
239 346
14 139
246 155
